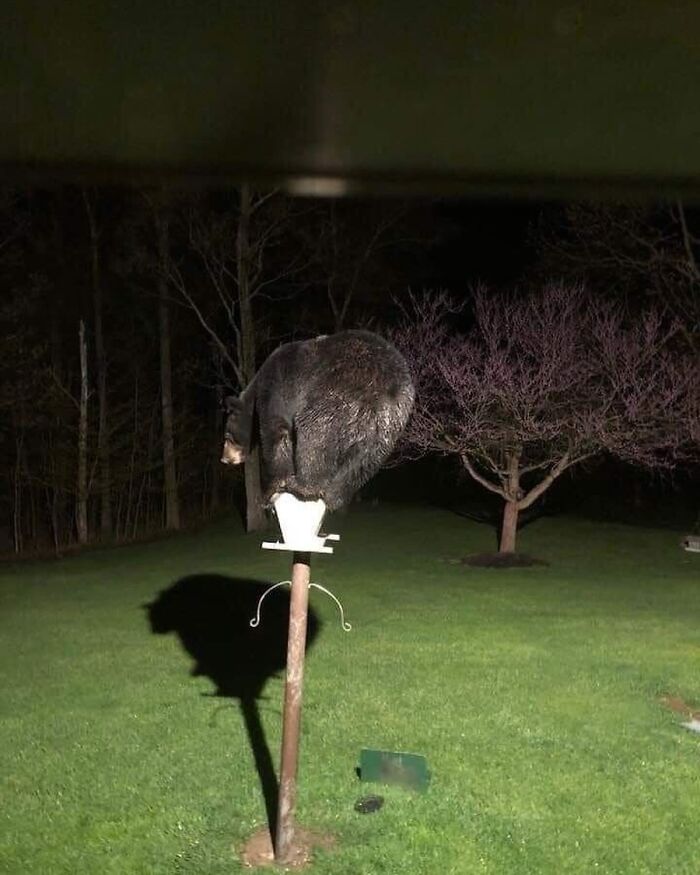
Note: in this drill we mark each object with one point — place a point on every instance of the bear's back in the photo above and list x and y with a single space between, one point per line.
359 365
354 370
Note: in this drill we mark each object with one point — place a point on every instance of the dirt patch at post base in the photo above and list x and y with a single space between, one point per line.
258 849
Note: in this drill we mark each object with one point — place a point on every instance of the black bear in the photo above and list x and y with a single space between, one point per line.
326 414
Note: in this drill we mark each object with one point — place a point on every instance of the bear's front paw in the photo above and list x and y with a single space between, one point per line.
271 495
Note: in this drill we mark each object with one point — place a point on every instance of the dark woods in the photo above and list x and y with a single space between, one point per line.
128 315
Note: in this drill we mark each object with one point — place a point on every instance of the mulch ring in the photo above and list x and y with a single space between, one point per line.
675 703
499 560
258 849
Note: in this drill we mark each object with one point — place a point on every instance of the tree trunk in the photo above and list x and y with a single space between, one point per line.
105 480
33 512
57 464
172 505
81 517
509 527
17 490
215 487
53 517
135 434
255 514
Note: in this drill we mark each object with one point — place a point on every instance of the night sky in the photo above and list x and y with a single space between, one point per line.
485 240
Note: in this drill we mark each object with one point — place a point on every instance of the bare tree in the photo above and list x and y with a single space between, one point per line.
172 506
103 449
25 383
82 487
235 248
636 249
345 241
245 282
541 382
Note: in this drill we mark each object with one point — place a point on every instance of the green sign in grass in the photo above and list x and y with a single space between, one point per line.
387 767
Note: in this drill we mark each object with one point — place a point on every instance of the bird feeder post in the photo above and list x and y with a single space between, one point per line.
299 522
291 721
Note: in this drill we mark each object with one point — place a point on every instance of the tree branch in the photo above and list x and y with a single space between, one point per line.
180 285
482 480
565 462
687 241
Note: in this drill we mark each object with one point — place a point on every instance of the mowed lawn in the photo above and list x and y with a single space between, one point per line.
534 693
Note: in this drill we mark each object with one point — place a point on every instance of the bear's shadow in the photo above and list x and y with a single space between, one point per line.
211 616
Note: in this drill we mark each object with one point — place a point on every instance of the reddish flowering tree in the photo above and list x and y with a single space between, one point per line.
541 382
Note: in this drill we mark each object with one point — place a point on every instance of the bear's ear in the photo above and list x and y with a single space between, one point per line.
232 404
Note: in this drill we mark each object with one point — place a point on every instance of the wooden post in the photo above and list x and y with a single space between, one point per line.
291 725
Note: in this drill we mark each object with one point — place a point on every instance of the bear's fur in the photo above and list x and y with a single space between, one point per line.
326 414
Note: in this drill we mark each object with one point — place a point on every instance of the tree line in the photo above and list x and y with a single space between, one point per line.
129 315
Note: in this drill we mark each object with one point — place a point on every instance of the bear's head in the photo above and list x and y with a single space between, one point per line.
236 432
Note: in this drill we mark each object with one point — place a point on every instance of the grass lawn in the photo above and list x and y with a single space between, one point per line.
534 693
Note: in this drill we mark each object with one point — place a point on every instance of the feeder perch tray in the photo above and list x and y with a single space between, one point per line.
299 523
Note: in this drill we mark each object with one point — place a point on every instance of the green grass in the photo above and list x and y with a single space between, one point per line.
533 693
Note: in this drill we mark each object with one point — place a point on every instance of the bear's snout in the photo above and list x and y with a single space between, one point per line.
232 454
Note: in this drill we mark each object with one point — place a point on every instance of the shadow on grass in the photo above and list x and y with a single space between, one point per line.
211 616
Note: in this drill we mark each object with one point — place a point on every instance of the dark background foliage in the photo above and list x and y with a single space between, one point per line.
309 267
